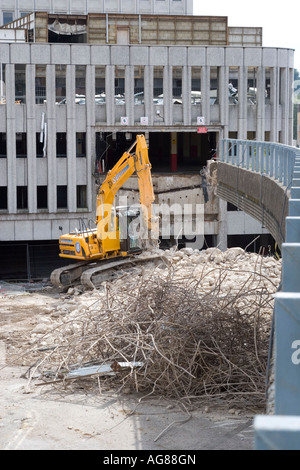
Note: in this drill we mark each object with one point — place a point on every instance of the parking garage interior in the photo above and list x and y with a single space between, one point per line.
192 150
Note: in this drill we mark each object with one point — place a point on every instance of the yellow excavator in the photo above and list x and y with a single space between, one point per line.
116 230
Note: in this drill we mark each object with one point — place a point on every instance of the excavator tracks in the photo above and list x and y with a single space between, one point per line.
90 275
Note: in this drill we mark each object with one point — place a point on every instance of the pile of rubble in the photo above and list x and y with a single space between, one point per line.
195 327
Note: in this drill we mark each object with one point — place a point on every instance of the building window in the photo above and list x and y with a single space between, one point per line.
158 84
3 198
21 145
100 84
80 144
214 85
61 144
20 83
42 197
80 80
268 84
81 197
62 197
196 85
60 84
40 84
177 84
22 197
252 85
39 146
233 85
2 84
8 17
138 85
3 151
120 85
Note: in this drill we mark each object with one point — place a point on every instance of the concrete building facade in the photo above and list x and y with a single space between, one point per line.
68 111
13 9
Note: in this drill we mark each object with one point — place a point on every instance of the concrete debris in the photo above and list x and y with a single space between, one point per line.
199 323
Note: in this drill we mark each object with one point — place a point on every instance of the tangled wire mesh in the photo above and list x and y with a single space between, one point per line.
184 336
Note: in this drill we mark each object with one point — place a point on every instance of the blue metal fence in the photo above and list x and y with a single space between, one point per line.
268 158
280 431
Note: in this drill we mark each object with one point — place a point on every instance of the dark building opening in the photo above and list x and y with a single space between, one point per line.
21 145
81 197
3 197
67 29
39 146
191 153
62 197
3 151
42 197
61 144
22 197
263 244
29 260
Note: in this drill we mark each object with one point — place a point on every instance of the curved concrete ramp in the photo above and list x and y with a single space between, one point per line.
258 195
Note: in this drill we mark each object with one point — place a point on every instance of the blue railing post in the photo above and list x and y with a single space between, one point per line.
276 160
248 154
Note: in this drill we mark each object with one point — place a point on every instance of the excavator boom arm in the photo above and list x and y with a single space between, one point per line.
128 164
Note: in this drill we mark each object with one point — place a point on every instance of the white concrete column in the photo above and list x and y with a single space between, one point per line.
223 229
274 104
186 95
90 135
71 137
284 98
168 95
11 140
31 138
148 93
205 93
110 94
51 137
291 106
260 105
223 100
129 93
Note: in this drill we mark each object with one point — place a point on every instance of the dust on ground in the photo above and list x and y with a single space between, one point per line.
43 418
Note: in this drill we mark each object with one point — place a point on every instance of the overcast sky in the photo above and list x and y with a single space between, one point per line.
280 20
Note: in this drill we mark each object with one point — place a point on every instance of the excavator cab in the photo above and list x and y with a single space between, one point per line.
128 224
